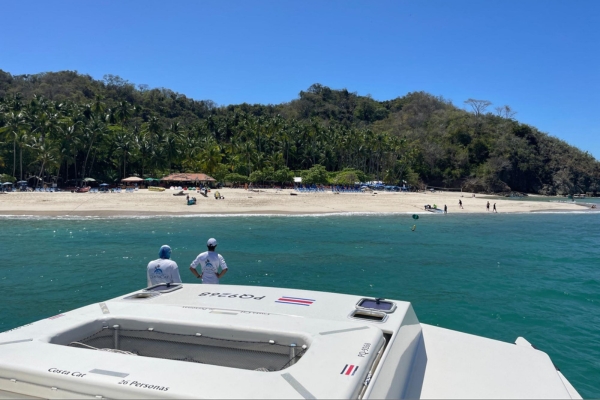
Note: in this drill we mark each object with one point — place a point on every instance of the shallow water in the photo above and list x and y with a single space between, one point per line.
551 199
495 275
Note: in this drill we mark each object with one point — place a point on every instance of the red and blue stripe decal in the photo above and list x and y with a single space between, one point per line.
349 370
295 300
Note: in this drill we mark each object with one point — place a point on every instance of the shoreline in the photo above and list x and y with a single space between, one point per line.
267 202
129 215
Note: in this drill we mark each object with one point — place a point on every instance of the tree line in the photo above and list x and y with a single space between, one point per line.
69 126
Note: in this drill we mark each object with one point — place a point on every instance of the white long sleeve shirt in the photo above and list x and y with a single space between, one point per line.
210 262
163 271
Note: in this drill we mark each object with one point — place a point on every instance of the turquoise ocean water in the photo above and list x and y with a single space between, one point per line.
494 275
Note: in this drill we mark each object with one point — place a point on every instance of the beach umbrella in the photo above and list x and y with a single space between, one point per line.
7 183
132 179
89 180
104 184
150 179
21 182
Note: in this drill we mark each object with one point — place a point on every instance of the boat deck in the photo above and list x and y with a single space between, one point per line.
224 341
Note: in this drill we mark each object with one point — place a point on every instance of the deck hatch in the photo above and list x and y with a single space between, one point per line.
204 349
164 287
376 304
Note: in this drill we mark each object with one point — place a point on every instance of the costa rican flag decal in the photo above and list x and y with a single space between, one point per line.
295 300
349 370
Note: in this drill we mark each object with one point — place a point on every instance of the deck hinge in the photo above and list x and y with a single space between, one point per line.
368 379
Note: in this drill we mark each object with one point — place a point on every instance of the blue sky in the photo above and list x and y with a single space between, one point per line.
540 57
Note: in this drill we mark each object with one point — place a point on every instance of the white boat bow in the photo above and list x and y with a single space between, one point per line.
225 341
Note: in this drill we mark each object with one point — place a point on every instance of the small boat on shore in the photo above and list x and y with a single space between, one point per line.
433 209
260 342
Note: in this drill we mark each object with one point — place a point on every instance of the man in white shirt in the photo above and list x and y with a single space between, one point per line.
163 270
210 263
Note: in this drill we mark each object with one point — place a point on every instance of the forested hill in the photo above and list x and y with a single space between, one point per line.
69 125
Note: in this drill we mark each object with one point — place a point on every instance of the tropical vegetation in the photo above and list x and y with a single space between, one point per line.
67 125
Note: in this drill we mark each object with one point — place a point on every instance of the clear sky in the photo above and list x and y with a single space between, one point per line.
540 57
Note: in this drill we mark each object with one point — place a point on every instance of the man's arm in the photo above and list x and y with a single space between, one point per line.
195 272
175 277
223 266
148 274
194 265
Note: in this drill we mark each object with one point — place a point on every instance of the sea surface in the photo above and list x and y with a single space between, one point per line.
494 275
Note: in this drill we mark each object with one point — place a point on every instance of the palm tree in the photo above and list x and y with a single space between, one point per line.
111 116
45 154
154 129
44 117
144 146
210 157
15 125
124 145
98 106
70 142
190 145
95 130
171 139
123 113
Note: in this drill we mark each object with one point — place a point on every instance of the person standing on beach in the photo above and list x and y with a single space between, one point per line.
460 203
163 270
210 263
487 207
495 208
445 209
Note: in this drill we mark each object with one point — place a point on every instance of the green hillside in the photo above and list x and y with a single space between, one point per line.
69 125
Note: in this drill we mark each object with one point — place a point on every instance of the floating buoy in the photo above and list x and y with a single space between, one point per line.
415 216
413 228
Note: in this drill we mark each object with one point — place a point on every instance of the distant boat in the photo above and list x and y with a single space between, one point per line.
434 210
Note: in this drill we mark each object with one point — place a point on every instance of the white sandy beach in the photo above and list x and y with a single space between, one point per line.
268 201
